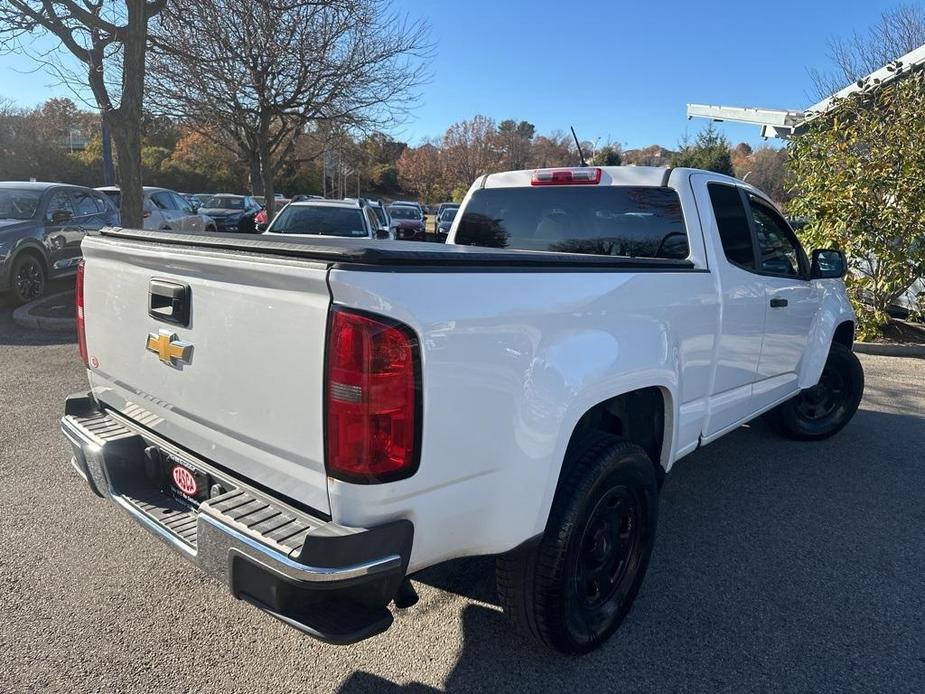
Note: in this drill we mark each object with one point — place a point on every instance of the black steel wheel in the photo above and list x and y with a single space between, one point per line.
28 278
823 410
572 591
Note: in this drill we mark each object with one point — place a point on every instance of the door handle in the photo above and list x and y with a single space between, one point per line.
778 303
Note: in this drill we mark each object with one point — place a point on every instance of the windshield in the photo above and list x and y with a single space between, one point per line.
404 213
632 221
448 214
224 202
324 221
18 204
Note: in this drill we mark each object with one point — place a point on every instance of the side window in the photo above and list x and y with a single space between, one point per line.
778 248
59 202
732 222
87 204
181 204
162 200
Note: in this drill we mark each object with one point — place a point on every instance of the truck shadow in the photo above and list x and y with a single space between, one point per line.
779 565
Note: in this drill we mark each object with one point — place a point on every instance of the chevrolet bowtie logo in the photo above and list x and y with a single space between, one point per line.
168 348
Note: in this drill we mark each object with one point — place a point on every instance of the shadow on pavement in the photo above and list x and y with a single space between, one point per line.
779 565
13 334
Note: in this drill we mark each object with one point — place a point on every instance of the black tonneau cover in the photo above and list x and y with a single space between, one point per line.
386 254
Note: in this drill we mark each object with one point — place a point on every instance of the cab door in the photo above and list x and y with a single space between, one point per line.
791 307
742 291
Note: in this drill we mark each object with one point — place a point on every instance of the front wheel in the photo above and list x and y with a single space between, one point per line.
823 410
572 590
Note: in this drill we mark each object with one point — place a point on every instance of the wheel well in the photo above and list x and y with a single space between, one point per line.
637 416
844 334
35 253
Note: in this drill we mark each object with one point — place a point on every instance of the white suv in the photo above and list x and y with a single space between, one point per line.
349 218
165 210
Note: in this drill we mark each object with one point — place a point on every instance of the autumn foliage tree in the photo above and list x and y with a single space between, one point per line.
422 170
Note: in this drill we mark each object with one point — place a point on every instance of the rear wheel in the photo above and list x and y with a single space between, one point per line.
29 280
823 410
572 590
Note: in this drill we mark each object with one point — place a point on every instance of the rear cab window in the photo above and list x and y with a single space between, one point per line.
320 220
626 221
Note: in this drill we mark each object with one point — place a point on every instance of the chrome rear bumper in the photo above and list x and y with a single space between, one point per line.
331 581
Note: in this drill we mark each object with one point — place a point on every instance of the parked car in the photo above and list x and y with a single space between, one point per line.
341 414
232 213
165 210
341 218
440 209
41 227
410 203
445 221
407 222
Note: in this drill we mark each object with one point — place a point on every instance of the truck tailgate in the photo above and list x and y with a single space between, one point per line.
248 394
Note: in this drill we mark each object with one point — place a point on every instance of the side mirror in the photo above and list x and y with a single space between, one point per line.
261 227
60 216
382 233
828 263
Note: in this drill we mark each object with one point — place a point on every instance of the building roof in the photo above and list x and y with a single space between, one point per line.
786 123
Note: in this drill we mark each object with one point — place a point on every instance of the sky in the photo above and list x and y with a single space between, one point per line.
618 70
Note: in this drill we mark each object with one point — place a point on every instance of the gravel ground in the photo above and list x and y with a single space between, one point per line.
779 566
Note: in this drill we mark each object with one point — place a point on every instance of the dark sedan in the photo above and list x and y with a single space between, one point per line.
232 212
41 227
408 222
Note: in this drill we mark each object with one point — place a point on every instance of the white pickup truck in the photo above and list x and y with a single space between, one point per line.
315 420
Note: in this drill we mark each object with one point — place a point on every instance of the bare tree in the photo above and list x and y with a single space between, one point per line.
899 31
258 72
108 38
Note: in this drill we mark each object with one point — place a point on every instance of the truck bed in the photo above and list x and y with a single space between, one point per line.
391 254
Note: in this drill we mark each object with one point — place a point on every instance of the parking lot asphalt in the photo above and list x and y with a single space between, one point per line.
779 566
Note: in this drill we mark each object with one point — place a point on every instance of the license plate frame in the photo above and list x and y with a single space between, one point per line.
202 480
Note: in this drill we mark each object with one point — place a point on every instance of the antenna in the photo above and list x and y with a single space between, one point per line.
581 155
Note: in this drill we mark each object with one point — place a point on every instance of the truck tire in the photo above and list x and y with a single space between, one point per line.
572 590
823 410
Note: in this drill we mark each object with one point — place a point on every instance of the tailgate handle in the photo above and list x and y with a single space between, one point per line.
169 301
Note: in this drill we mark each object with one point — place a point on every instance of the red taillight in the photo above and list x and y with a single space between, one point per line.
372 397
79 302
565 177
